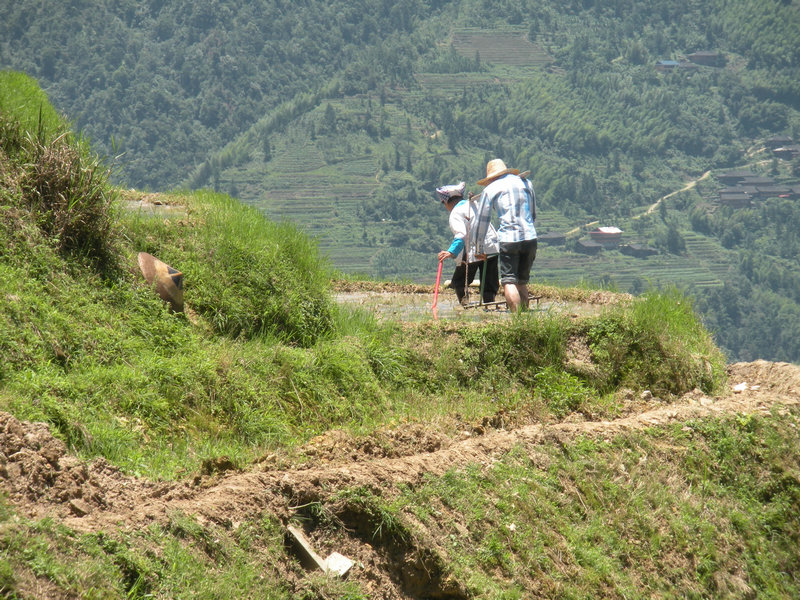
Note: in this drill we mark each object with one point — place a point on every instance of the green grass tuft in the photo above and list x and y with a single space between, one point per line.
657 343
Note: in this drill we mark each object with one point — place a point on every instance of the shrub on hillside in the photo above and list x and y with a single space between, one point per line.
53 176
657 343
247 276
70 199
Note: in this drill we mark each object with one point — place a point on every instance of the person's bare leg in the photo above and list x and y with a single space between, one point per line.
511 292
524 296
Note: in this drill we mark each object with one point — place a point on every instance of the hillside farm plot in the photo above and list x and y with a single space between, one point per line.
503 47
563 267
447 84
710 253
415 306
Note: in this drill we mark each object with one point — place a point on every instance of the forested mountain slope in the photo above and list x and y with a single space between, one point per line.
171 82
343 116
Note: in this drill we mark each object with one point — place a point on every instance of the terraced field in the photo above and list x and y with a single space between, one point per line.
504 47
448 84
320 184
558 265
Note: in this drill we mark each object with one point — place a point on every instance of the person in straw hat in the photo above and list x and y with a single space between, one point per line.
461 218
514 200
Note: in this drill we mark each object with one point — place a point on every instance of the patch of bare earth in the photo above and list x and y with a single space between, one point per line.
543 292
342 285
41 478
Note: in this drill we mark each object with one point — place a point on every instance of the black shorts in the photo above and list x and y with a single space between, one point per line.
463 277
516 260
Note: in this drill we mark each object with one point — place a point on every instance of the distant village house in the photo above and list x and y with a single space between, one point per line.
735 197
744 187
588 247
777 141
553 238
707 58
787 152
608 237
663 66
734 177
693 61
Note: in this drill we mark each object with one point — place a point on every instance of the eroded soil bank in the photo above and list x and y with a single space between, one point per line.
41 478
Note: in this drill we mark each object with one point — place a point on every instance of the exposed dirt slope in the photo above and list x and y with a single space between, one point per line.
41 478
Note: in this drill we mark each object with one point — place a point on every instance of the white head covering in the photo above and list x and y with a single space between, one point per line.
446 192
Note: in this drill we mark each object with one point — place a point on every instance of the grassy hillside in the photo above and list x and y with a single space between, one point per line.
260 341
262 360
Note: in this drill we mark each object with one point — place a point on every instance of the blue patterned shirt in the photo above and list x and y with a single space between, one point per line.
515 201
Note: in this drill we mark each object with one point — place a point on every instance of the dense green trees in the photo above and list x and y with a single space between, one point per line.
171 82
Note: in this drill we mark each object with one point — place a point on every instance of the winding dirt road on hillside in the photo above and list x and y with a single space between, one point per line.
650 209
42 479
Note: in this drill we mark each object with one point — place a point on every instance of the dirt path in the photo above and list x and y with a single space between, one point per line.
685 188
650 209
41 479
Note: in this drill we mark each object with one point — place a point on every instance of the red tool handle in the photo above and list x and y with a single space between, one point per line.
436 289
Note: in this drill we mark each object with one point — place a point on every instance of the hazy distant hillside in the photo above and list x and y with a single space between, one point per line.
171 82
344 116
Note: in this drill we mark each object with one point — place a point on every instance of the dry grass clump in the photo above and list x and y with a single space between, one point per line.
70 198
63 187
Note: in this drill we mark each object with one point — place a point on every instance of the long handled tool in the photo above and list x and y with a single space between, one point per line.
436 289
481 304
468 247
483 281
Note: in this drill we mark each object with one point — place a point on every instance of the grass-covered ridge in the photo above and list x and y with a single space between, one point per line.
699 509
262 358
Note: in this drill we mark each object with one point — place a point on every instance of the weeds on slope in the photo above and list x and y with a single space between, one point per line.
701 509
55 177
246 276
179 559
656 343
158 395
706 508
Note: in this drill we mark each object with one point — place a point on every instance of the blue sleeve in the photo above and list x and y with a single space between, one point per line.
531 199
456 247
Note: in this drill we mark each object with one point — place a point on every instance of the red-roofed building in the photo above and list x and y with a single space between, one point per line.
608 237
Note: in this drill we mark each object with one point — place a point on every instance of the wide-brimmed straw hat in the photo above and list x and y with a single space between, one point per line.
496 168
167 281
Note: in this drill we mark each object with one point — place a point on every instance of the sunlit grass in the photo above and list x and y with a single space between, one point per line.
700 510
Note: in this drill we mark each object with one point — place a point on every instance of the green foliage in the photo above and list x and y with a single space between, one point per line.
247 276
656 343
755 313
22 102
373 514
261 358
198 73
520 348
54 177
180 559
563 392
745 24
